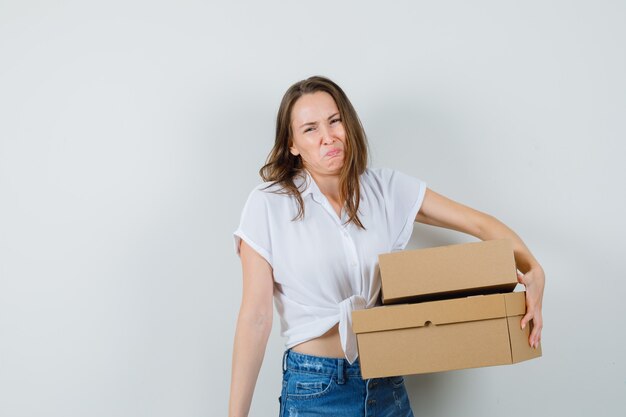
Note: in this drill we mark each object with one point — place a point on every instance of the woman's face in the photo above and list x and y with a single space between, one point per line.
318 133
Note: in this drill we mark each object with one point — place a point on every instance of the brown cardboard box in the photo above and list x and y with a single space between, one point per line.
442 335
451 271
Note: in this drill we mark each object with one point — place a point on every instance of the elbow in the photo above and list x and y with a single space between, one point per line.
262 320
256 319
480 224
486 225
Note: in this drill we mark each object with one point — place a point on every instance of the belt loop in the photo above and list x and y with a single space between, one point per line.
340 376
285 361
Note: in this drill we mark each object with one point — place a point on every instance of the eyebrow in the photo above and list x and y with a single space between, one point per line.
314 123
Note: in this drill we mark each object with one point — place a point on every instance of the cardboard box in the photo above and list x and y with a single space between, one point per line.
451 271
442 335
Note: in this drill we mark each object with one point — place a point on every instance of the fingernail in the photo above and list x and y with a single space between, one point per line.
523 325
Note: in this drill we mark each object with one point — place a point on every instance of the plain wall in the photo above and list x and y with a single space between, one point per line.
131 133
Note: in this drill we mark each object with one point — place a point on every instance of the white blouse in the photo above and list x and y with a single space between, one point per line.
324 269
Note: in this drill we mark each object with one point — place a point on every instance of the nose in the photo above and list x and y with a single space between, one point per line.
327 136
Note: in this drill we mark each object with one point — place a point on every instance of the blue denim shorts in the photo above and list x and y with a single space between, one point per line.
320 386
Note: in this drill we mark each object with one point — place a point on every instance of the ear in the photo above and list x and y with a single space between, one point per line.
293 150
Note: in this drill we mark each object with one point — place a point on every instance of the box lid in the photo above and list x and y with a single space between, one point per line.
459 270
456 310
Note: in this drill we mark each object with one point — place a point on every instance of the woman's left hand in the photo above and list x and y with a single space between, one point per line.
534 281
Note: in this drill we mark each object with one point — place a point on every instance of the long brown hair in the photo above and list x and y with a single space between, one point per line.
281 166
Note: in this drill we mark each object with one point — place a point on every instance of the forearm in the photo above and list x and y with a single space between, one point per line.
248 351
492 228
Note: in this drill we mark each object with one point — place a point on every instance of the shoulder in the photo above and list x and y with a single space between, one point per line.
378 175
380 172
265 193
389 180
385 174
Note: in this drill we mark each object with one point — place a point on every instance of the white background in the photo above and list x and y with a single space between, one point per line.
132 131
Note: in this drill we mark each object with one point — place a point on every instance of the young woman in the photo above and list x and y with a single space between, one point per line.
309 239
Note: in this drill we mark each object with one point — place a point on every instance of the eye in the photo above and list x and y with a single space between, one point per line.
335 120
306 130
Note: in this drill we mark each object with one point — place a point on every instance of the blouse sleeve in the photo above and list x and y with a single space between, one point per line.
254 226
404 195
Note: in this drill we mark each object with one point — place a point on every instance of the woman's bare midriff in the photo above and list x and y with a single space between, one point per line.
328 345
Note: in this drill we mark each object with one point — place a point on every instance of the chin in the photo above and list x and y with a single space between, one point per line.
336 167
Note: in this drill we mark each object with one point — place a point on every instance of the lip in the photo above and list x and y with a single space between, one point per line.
333 152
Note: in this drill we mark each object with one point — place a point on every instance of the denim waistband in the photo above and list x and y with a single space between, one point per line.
301 362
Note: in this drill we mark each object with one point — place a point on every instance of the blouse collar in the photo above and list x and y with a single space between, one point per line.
310 186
